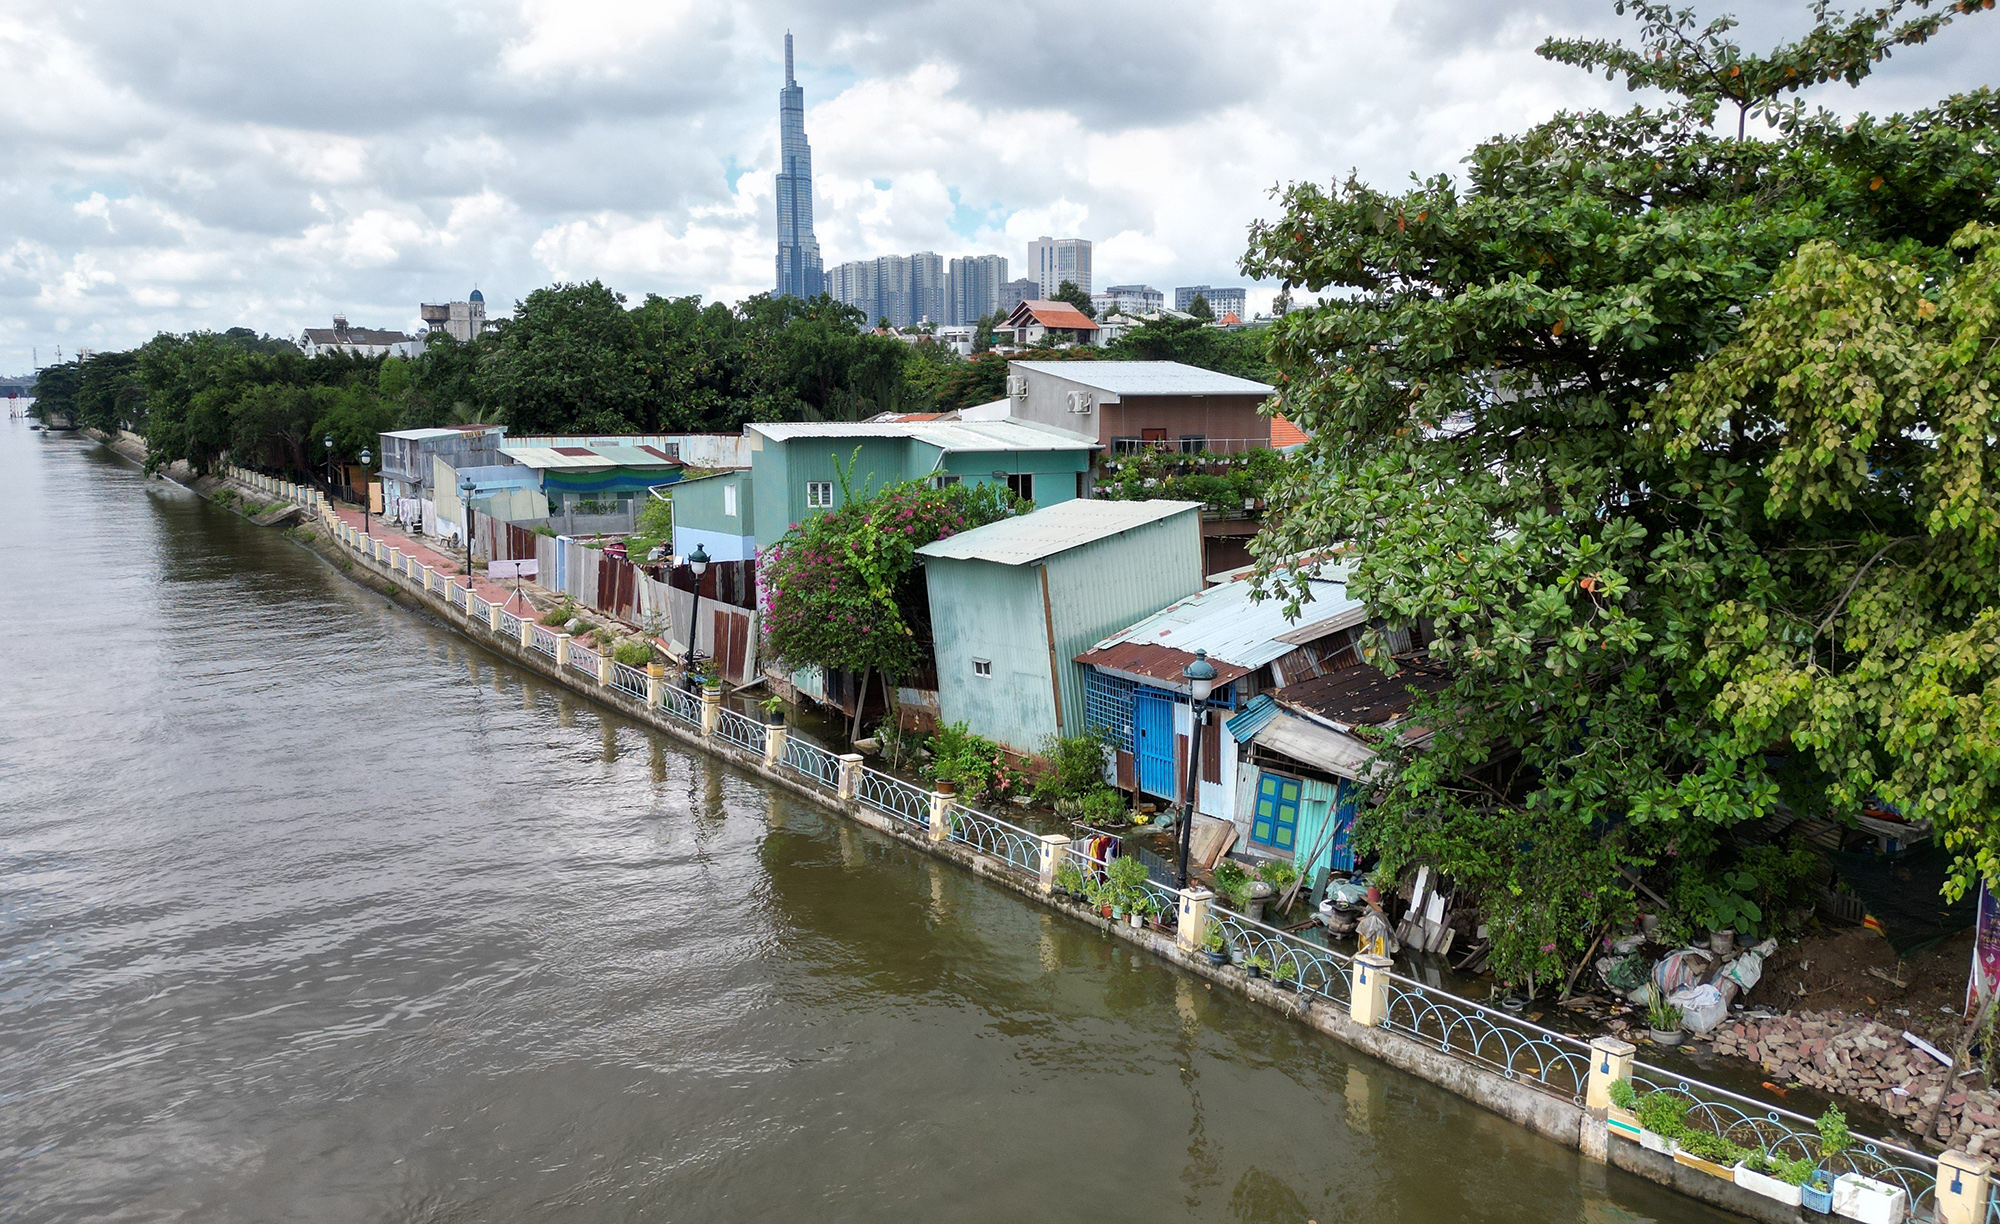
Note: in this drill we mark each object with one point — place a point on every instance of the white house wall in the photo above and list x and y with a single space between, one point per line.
1216 799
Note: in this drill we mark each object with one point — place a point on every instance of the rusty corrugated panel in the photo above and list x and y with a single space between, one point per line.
1156 662
1363 696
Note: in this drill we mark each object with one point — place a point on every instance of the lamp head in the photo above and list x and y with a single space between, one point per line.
367 456
698 560
1200 676
329 441
465 486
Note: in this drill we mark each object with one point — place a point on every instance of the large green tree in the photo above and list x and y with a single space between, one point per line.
570 360
1675 432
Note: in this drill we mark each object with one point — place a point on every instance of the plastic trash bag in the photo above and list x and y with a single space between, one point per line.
1678 970
1748 969
1702 1007
1623 974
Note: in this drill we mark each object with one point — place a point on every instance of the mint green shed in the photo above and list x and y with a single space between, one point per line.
804 468
1014 603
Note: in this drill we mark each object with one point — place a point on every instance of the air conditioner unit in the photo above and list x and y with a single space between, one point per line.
1017 386
1081 402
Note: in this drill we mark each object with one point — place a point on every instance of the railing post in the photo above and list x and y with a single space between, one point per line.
562 650
1371 989
775 735
1054 846
427 579
656 684
941 815
711 708
1964 1185
1191 923
395 559
528 632
604 665
493 614
1610 1061
850 774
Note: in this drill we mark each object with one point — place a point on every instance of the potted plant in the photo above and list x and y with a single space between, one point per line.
1127 879
1870 1201
1816 1193
1619 1118
1663 1019
1834 1140
774 710
1710 1153
1231 881
1069 880
1214 942
1256 965
1278 874
1662 1121
1774 1177
1286 975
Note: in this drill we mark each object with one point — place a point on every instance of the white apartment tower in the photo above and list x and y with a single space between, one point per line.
1056 260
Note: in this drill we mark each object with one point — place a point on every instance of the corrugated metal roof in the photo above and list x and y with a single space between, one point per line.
1053 529
952 436
1249 720
587 458
1363 696
1146 377
1240 634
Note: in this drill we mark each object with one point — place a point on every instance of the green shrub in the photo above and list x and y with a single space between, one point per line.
1213 938
634 653
1277 874
973 763
1663 1113
1075 767
1104 807
1128 883
1622 1094
1706 1146
1231 881
1068 878
1833 1135
562 614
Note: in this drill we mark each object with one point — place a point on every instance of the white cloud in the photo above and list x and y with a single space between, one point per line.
181 165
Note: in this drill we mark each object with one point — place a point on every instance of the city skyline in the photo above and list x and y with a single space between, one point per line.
800 272
162 178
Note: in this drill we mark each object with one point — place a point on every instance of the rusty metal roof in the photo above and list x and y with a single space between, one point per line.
1239 632
1364 696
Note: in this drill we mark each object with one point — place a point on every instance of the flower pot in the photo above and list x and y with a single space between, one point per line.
1138 921
1868 1200
1117 913
1104 910
1623 1123
1657 1143
1218 959
1722 943
1254 970
1770 1187
1816 1197
1666 1037
945 788
1725 1172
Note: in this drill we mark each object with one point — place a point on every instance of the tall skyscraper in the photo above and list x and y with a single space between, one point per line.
972 287
904 289
799 268
1055 260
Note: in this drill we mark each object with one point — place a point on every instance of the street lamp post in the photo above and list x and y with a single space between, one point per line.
329 463
465 487
367 457
1200 677
697 563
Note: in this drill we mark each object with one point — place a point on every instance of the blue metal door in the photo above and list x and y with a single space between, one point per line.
1153 741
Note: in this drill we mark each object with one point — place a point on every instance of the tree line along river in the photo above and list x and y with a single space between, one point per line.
311 910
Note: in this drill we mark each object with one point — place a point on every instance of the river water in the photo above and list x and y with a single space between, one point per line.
309 910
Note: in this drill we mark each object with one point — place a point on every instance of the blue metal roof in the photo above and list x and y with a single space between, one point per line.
1249 720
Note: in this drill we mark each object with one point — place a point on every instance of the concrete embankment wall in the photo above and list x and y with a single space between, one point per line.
1566 1121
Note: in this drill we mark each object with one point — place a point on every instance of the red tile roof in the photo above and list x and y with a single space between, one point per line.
1054 314
1284 433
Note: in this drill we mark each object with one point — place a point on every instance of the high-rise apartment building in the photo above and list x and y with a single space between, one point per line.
1014 292
1054 260
1220 301
972 287
1128 299
800 273
904 289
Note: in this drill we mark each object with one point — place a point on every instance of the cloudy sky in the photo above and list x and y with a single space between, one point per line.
173 165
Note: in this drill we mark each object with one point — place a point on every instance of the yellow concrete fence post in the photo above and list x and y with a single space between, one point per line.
656 683
1610 1061
493 614
1964 1185
1191 923
395 559
775 736
850 774
528 632
941 801
1371 989
604 665
562 650
1054 847
711 708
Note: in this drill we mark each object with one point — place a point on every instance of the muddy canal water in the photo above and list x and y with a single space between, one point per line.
309 910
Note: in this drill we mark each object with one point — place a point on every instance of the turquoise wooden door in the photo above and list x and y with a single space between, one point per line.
1274 822
1153 742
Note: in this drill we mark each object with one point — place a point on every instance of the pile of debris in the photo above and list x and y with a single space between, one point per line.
1885 1066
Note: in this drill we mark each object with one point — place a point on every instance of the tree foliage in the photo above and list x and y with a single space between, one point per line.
842 589
1069 292
1678 443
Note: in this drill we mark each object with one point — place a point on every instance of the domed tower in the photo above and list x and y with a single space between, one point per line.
477 311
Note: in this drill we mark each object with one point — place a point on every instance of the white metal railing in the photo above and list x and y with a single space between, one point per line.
582 658
628 680
895 797
813 761
1010 843
681 704
510 625
541 639
745 733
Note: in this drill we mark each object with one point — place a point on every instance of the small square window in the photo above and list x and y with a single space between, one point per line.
819 494
1022 485
982 667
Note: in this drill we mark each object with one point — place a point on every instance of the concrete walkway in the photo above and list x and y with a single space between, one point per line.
442 560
